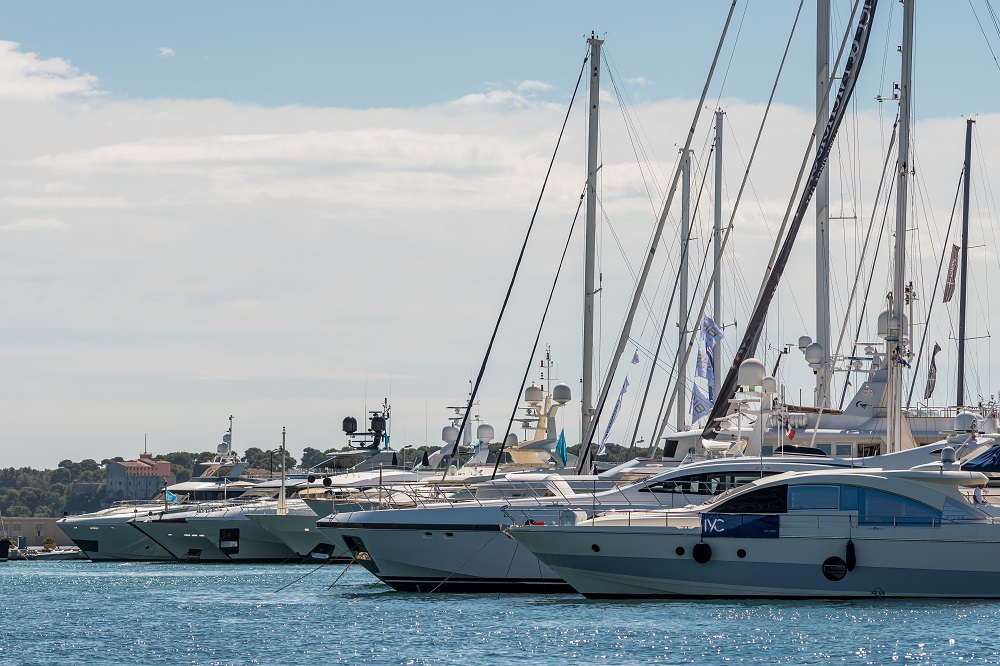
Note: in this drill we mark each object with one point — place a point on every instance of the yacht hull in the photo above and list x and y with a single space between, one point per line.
299 533
112 538
890 562
453 550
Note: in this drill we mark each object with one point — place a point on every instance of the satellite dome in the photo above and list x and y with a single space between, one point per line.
562 393
965 422
533 394
814 354
449 434
484 432
751 373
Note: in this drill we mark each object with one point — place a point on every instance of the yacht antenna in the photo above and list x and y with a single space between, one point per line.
282 507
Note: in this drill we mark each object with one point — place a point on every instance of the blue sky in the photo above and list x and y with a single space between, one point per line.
288 211
372 54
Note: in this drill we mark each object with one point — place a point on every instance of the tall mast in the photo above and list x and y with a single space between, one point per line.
682 296
822 204
894 339
587 390
962 295
717 249
282 507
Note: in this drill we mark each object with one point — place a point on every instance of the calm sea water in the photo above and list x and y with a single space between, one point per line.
79 612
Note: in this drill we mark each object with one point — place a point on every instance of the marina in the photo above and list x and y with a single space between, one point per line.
698 407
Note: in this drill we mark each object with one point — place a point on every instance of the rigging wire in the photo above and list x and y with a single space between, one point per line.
624 336
538 335
520 258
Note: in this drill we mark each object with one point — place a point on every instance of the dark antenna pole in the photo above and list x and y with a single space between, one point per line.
965 263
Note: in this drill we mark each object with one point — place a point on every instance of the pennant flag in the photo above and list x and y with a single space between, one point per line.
903 362
700 407
701 364
932 373
710 374
561 448
710 332
635 357
170 497
949 285
614 415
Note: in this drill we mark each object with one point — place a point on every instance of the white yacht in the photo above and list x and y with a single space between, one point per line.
858 533
461 546
108 535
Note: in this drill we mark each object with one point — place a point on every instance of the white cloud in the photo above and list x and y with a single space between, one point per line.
285 264
637 81
534 85
165 52
26 77
35 224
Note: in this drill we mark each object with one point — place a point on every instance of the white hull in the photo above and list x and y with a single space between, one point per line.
300 534
108 536
183 541
635 563
454 550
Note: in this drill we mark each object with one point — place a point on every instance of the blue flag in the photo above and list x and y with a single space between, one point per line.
614 415
561 448
700 407
170 497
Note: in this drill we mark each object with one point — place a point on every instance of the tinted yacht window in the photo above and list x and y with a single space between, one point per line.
878 508
770 499
813 497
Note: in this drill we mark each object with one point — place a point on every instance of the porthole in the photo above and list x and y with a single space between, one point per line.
834 568
679 550
595 548
741 553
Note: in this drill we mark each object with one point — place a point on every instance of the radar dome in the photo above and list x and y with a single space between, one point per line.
511 441
770 385
449 434
814 354
562 393
886 322
965 422
804 341
533 394
948 455
484 432
223 448
751 373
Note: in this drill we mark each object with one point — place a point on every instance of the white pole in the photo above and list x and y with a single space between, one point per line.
586 392
823 204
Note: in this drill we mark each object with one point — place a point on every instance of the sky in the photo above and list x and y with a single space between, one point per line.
290 212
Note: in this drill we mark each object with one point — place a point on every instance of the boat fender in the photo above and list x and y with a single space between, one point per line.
852 558
327 481
702 552
311 479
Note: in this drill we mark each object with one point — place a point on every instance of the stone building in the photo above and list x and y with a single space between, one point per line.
138 479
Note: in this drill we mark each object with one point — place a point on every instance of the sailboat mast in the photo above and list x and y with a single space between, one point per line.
822 205
587 390
963 294
682 312
894 339
717 249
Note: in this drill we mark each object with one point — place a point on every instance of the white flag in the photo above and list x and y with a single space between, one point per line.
700 407
710 332
701 364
